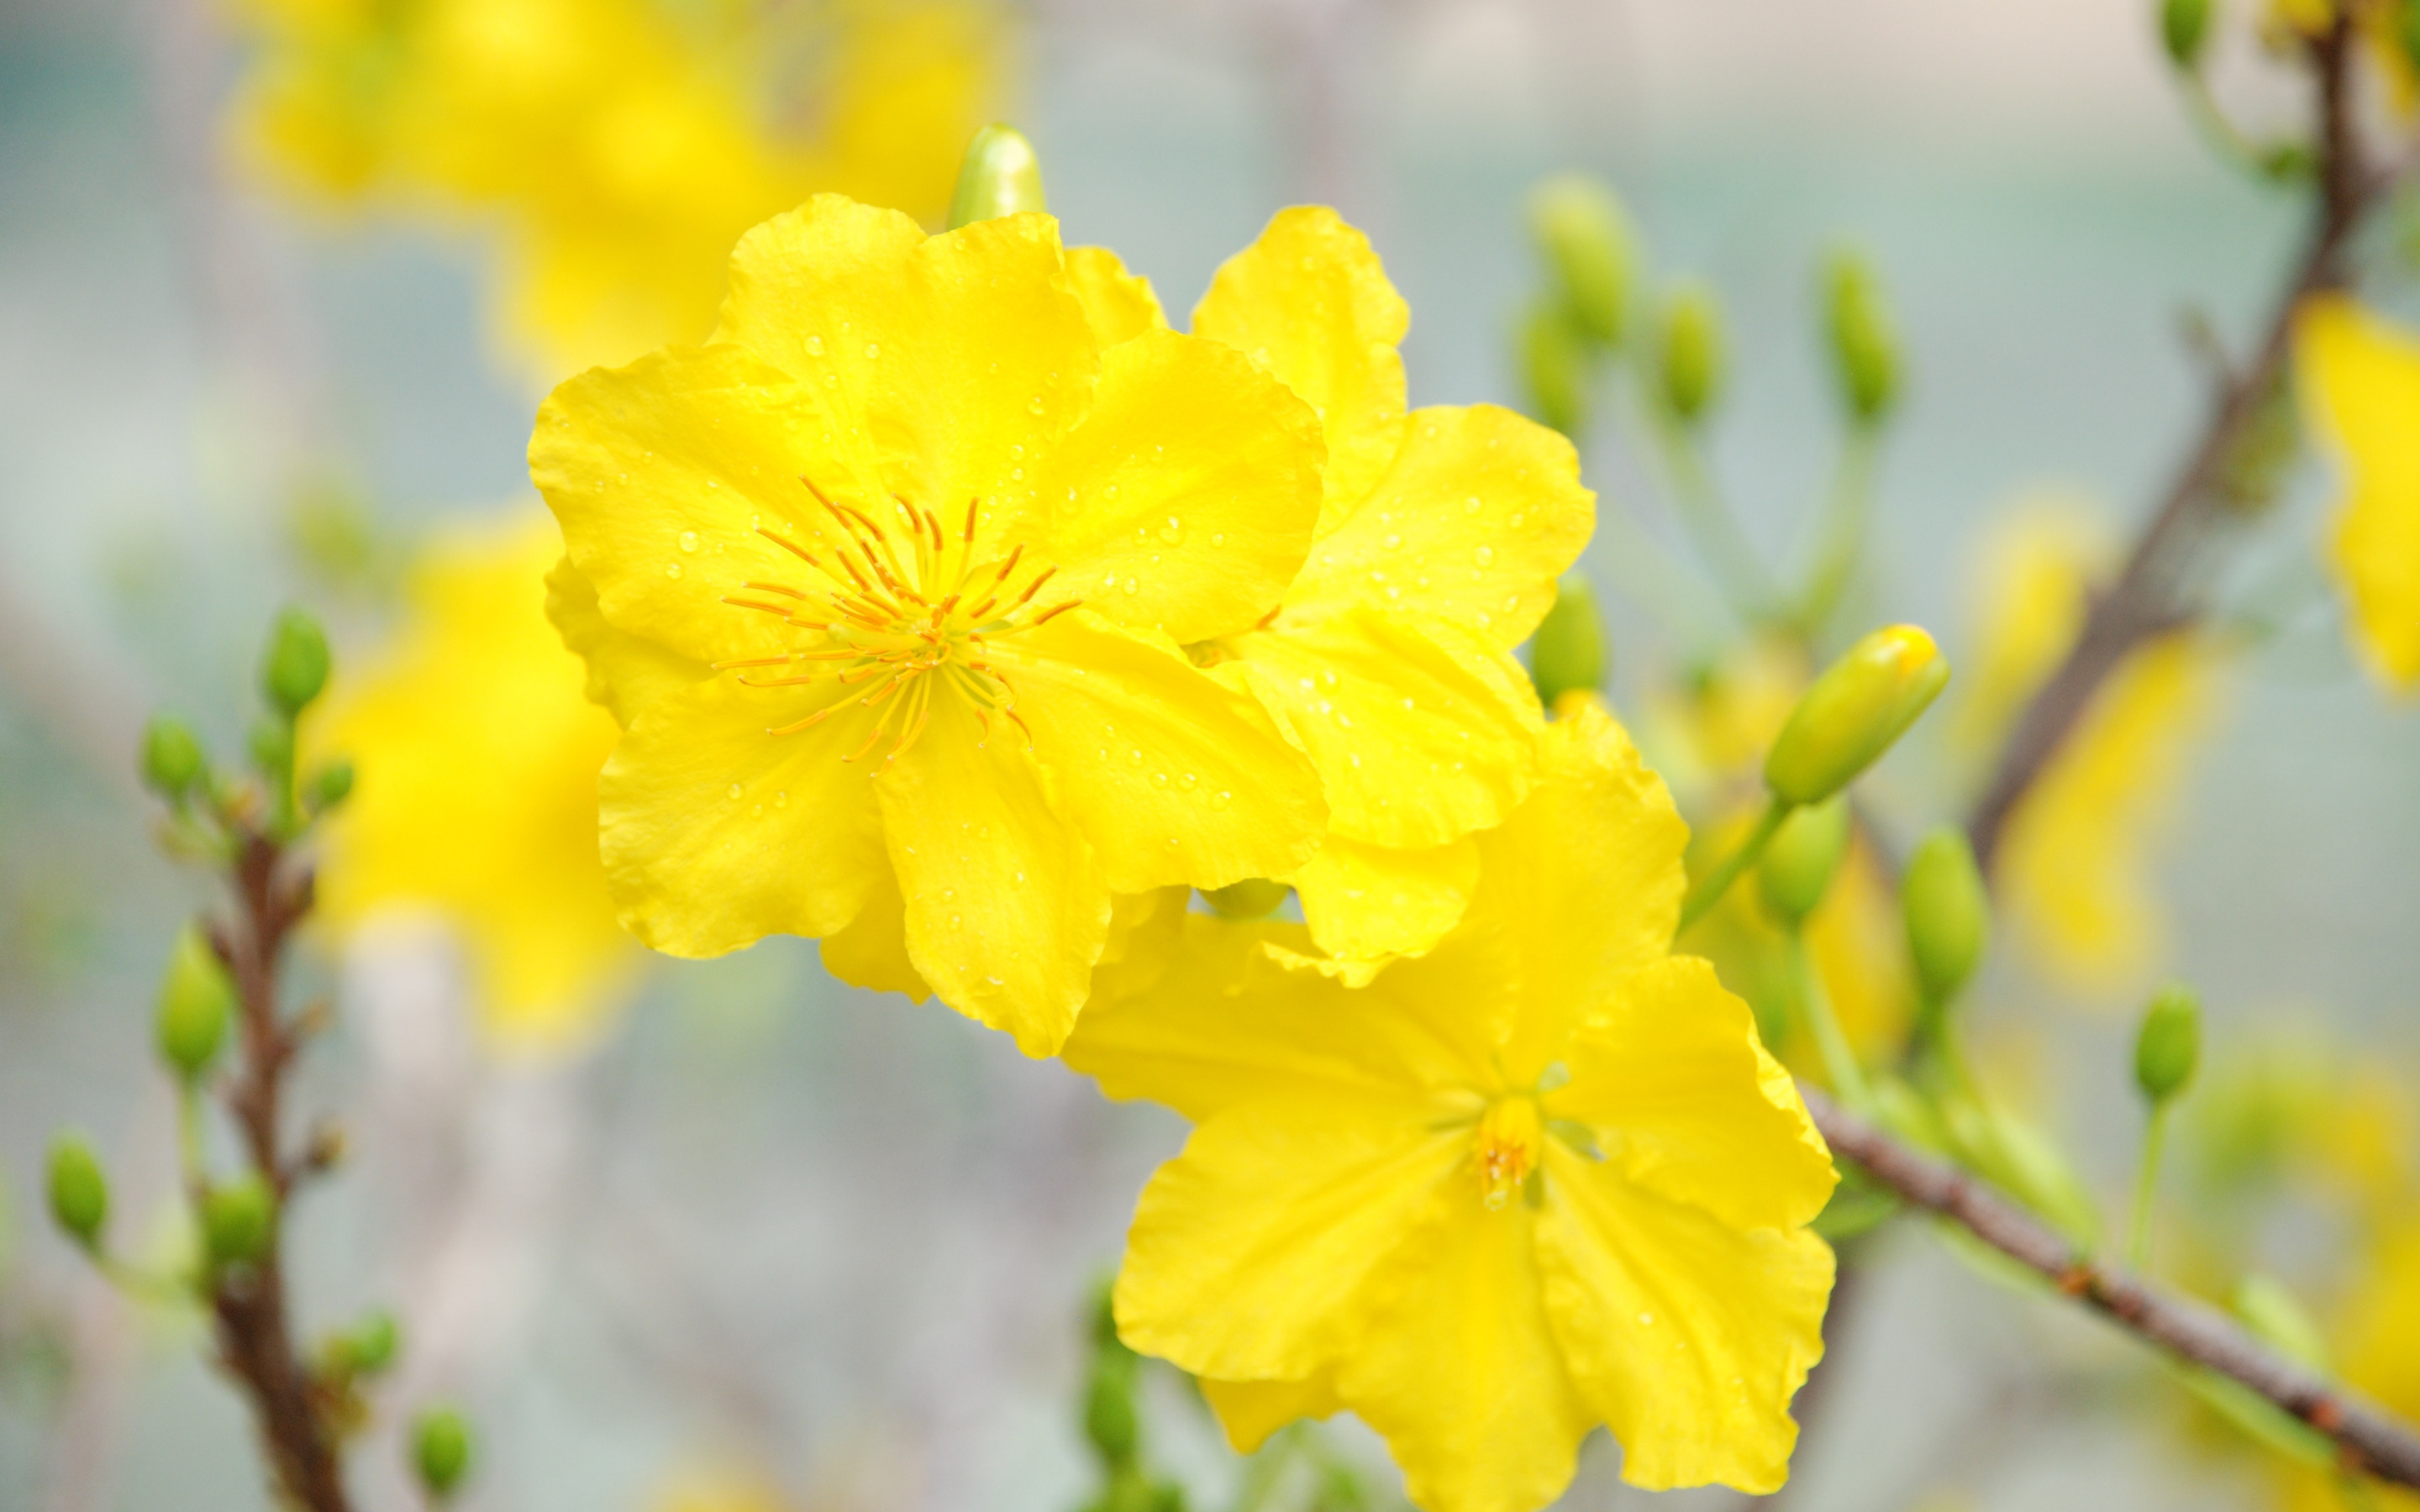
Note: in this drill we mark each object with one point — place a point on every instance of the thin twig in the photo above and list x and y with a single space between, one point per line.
2368 1439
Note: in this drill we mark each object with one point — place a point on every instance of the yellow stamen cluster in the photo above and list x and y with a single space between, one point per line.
1510 1134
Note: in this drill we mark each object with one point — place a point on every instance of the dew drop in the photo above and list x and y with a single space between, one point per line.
1470 505
689 540
815 345
671 569
1136 757
1517 521
1187 781
1035 404
1393 541
1159 779
1484 555
872 350
1221 798
1173 531
1017 473
735 790
1132 586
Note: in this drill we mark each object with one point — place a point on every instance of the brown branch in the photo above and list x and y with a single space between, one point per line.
2368 1439
2153 593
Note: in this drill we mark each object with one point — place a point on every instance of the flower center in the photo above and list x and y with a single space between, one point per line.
1509 1140
902 625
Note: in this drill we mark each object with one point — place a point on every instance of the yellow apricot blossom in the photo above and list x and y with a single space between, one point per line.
1442 533
1541 1177
887 586
2359 379
476 795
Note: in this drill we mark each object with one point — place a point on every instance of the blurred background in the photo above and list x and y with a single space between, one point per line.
768 1241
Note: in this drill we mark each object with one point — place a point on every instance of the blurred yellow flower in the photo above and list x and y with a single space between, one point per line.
717 1489
887 586
623 145
1539 1179
2359 379
476 795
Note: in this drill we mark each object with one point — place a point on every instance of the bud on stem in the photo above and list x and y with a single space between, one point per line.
1947 916
294 668
1856 710
1799 864
79 1190
197 1001
173 761
1863 337
2168 1047
2184 30
1000 176
441 1452
1568 654
239 1220
1691 354
1554 368
1585 236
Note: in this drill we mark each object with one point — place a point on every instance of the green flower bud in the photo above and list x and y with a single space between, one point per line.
1000 176
1863 337
238 1220
1586 238
2184 28
329 786
196 1000
1569 653
440 1451
1948 913
1853 713
2169 1045
371 1347
172 757
1112 1424
1798 864
1554 368
294 669
79 1190
2278 1319
1692 350
273 749
1253 898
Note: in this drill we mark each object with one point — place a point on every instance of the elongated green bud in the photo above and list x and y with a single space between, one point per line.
1000 176
1947 913
1253 898
79 1190
1554 368
1692 357
1570 653
197 1001
2184 30
2169 1046
329 786
1853 714
1586 238
441 1452
372 1344
1863 337
294 669
1798 865
238 1220
172 757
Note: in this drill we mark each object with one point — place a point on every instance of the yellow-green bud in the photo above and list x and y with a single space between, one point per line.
1586 238
238 1220
371 1347
79 1190
440 1451
329 786
273 749
294 669
1862 703
172 757
1110 1421
1691 354
2278 1319
1569 653
2184 28
1000 176
1948 913
1253 898
196 1000
1863 337
1554 368
1798 864
2169 1046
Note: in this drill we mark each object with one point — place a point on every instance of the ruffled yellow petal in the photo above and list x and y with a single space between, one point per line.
1119 304
623 671
1422 730
1365 903
872 951
1183 500
1250 1411
2361 381
1250 1251
1171 775
1146 931
1310 302
1480 513
1688 1335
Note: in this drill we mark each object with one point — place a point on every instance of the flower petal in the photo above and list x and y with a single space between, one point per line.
1365 903
1184 501
872 952
1250 1411
1686 1336
1172 776
1479 514
1310 302
1119 305
1005 908
2360 380
1422 731
623 671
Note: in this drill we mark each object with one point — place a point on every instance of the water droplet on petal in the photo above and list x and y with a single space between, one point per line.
1221 798
689 540
1132 586
1484 555
735 790
671 569
815 345
872 350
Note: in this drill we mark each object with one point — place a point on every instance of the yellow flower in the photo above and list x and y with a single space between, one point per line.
1440 536
477 790
2359 379
887 586
1539 1179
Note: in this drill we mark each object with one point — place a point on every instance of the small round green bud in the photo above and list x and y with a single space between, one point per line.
79 1190
1692 350
1554 368
197 1001
328 786
1797 865
1856 710
1112 1424
1586 238
371 1347
272 749
1947 913
172 757
1863 337
1253 898
294 669
440 1451
999 176
1569 653
2169 1045
2184 30
238 1220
